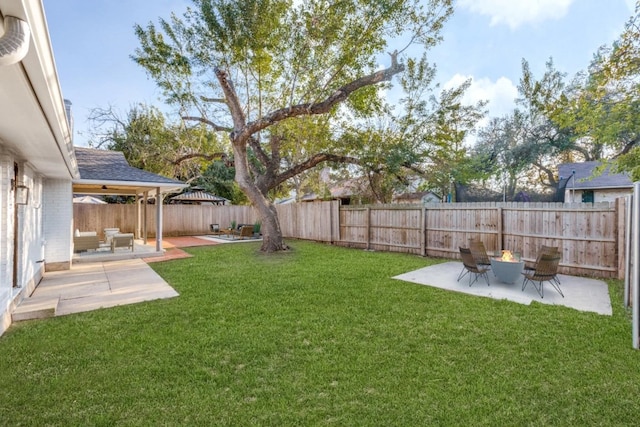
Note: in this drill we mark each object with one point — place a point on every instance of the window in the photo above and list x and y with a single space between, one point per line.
587 196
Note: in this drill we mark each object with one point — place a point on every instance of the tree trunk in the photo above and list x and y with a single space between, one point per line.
271 234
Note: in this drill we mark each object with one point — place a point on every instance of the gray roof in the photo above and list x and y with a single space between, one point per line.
199 196
584 178
104 165
418 195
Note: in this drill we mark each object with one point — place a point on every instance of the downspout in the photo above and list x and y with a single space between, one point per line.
14 43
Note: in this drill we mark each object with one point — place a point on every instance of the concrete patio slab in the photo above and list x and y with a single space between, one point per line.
581 293
228 239
92 286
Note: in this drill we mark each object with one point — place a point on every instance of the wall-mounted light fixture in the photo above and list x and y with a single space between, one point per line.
22 192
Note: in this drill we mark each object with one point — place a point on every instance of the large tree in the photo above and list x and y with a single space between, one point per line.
524 147
604 105
420 139
246 66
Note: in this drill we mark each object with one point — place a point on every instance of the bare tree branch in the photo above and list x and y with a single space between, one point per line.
209 157
310 163
237 113
215 126
258 151
322 107
215 100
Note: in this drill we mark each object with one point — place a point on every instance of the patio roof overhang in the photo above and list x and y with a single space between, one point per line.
33 123
124 188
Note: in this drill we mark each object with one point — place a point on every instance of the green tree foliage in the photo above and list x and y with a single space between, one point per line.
604 105
218 179
523 149
246 66
594 117
150 143
422 138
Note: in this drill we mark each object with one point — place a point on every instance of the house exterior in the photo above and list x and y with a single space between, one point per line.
578 184
348 192
419 197
39 168
37 162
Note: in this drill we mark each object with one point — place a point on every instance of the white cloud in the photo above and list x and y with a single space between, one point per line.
501 94
518 12
631 4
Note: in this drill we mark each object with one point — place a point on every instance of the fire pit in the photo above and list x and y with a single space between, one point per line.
507 268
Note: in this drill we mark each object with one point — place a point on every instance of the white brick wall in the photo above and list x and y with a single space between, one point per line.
29 249
6 240
57 203
44 231
30 235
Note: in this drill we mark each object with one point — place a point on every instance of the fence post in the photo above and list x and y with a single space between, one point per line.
500 228
636 266
368 228
423 232
620 236
628 238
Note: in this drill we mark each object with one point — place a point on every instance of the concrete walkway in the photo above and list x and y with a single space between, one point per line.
580 293
106 283
90 286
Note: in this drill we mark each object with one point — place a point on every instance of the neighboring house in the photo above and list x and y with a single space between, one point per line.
419 197
199 197
39 172
577 183
348 192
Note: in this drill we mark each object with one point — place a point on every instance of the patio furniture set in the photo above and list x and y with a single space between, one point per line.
113 239
508 267
242 231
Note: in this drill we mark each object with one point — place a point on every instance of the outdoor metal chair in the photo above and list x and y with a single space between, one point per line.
470 267
546 270
548 250
245 232
479 253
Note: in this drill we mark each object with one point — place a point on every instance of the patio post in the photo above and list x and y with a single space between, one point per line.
136 230
144 214
158 220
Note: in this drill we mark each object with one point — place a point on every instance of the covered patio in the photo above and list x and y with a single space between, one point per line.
105 172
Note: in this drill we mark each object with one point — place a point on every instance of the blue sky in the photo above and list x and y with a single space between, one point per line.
485 40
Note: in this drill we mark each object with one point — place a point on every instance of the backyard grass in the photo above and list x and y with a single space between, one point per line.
319 336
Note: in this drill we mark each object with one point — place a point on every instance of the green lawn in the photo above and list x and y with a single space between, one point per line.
319 336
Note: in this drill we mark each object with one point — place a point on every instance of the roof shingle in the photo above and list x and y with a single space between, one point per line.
585 180
104 165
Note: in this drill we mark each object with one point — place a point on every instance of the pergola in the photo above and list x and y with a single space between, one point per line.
105 172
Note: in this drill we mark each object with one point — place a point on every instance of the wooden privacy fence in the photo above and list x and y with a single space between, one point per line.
178 220
589 236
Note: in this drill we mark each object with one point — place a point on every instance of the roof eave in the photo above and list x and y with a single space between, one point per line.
164 187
